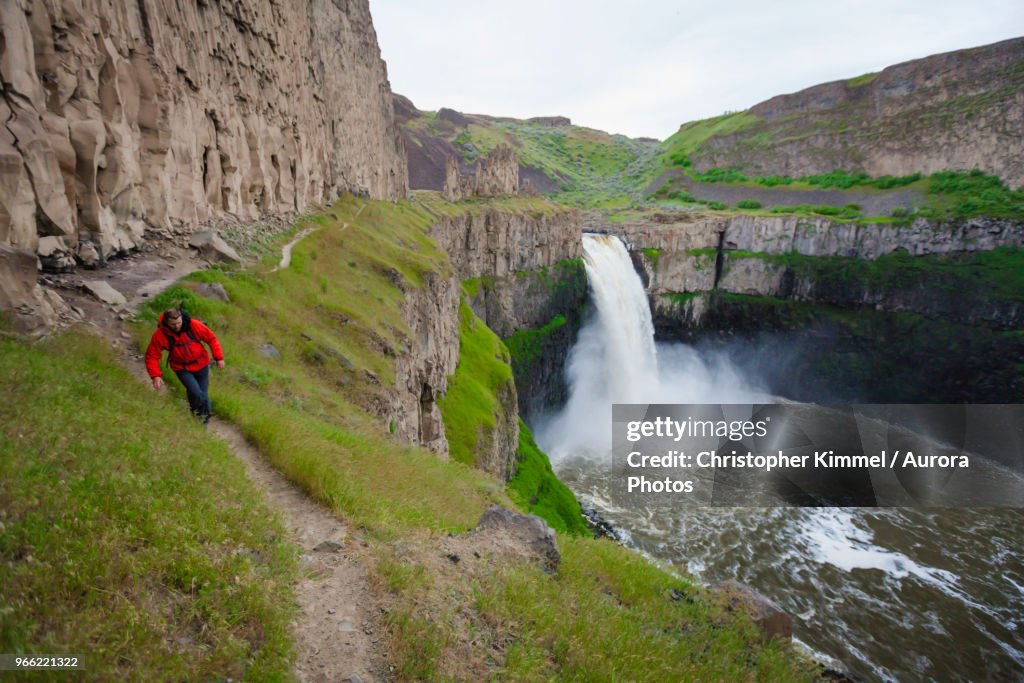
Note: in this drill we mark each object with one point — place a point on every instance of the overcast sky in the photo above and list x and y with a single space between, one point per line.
644 67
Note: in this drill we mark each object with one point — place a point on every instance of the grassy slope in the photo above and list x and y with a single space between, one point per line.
127 534
470 410
333 316
606 614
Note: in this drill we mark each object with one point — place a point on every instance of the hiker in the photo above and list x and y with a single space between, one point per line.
180 336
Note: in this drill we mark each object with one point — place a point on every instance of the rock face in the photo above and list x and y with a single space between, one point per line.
30 308
751 261
126 116
501 243
529 271
422 371
770 619
521 255
431 140
959 110
498 174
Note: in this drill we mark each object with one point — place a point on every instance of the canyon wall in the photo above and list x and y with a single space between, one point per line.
122 117
525 277
820 309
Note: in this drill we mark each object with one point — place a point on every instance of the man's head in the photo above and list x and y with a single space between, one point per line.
172 319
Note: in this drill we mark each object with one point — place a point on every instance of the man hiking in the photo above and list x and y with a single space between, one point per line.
180 336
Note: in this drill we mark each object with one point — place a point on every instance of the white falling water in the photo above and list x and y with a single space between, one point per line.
615 360
623 318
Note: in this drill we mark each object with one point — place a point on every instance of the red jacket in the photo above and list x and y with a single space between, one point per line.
185 353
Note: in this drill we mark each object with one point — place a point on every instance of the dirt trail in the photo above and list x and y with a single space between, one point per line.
335 628
334 631
286 251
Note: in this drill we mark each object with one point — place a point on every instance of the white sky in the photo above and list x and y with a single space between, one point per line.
644 67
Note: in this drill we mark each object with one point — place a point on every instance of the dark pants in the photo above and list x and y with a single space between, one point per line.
197 385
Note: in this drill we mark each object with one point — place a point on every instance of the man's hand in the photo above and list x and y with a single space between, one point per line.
220 364
158 382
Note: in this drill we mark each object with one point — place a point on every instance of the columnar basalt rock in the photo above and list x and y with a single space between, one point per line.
497 175
121 117
453 185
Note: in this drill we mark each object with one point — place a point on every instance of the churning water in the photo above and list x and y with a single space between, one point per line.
891 593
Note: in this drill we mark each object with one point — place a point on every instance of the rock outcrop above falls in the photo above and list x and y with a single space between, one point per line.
801 258
497 175
127 116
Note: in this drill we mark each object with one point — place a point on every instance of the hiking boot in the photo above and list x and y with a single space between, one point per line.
206 420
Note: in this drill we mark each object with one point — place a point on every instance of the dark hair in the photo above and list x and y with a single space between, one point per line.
172 313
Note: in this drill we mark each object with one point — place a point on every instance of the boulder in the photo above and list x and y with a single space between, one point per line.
268 350
213 290
105 293
213 248
22 300
770 619
54 255
530 529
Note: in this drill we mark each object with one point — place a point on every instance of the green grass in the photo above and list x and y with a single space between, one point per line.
609 615
129 535
721 175
690 136
862 80
966 195
679 298
844 180
848 212
537 489
478 392
605 614
527 345
476 404
652 256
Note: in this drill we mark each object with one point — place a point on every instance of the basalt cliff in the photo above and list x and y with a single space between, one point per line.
126 117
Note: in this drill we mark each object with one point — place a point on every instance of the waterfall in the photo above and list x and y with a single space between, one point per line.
615 360
629 365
